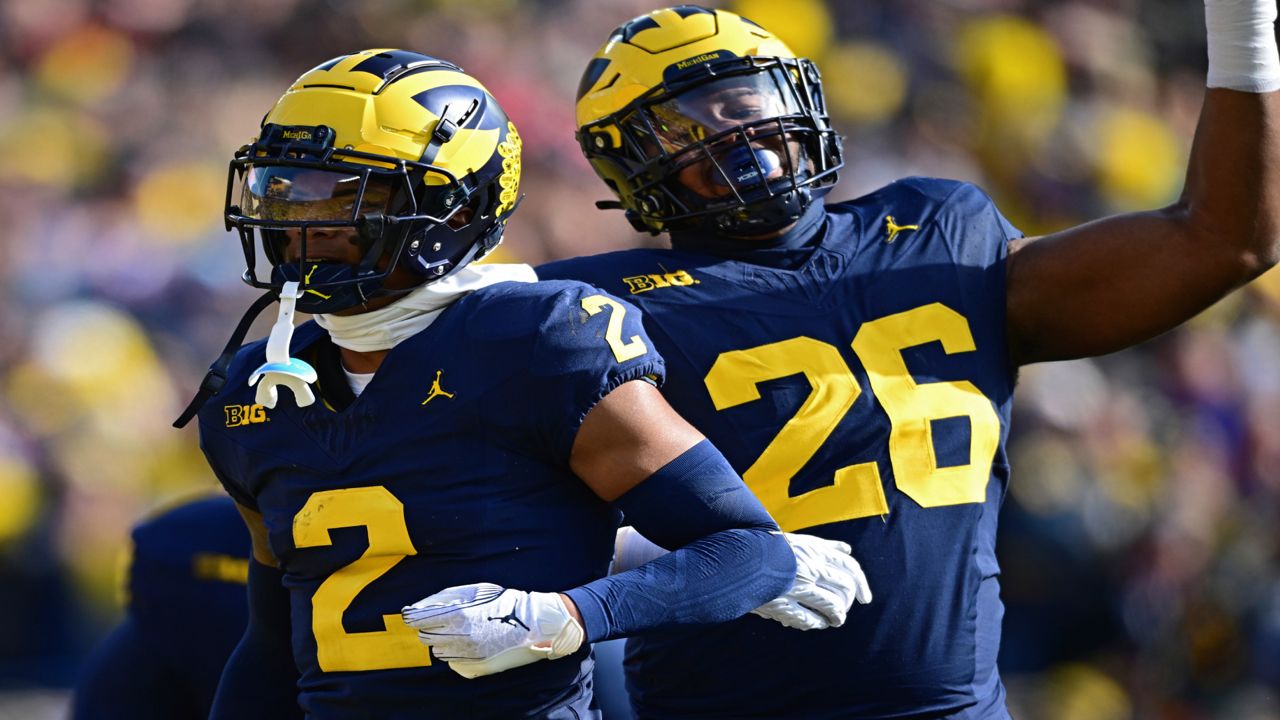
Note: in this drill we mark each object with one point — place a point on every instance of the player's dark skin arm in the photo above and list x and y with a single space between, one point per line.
628 436
1111 283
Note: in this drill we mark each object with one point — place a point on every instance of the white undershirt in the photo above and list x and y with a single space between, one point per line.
357 381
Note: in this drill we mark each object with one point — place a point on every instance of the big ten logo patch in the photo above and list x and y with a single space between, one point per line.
241 415
644 283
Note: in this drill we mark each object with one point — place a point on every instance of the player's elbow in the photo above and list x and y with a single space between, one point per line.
1249 246
1266 252
1258 253
1260 248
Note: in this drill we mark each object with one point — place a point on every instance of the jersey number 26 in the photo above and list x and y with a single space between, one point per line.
912 407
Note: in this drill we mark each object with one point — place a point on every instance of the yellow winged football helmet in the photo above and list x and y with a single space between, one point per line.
701 119
393 143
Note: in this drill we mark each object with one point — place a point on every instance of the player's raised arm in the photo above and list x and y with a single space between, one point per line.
674 486
260 678
1108 284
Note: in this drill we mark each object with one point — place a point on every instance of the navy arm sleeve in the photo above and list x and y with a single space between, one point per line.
261 679
727 557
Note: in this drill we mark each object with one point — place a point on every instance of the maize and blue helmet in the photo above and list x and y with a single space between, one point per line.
701 119
392 143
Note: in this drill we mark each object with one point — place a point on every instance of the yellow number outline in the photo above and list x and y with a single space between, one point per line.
623 350
911 407
382 515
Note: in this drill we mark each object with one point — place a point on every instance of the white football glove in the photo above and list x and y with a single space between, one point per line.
828 580
483 629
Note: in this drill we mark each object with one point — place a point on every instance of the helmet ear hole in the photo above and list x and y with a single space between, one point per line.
460 219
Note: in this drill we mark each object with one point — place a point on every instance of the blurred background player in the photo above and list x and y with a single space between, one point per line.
454 477
192 560
856 362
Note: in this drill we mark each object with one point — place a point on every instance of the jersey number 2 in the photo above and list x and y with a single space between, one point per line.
623 350
912 407
382 516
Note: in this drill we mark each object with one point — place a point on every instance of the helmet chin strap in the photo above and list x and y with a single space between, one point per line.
761 217
216 377
280 369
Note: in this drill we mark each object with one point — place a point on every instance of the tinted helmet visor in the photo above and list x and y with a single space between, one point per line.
288 195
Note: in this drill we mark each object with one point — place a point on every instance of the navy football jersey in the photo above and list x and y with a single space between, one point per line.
864 396
189 562
452 467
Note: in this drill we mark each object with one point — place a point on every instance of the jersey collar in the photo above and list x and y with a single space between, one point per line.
787 251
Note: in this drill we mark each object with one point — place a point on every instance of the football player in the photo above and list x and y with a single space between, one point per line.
442 455
190 560
855 362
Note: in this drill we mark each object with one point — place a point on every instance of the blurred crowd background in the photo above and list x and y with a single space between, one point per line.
1140 545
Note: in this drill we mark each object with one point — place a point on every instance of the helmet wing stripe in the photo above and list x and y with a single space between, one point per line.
384 64
634 27
455 101
595 69
329 65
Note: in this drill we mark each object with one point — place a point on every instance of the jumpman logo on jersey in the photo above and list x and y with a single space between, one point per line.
894 228
511 620
436 391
